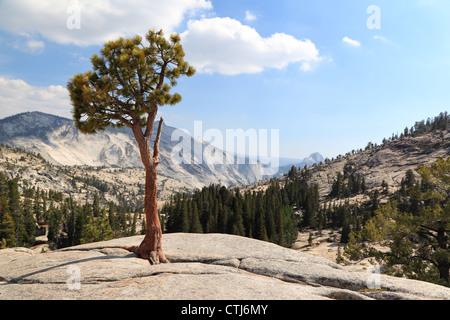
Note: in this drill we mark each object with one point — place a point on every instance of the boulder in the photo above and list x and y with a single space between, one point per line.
203 267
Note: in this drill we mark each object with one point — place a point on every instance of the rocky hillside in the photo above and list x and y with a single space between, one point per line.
204 267
58 141
114 184
386 163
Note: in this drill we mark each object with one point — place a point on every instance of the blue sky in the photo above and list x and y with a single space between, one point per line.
314 70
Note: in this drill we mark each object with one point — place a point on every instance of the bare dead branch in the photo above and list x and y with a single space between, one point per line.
158 137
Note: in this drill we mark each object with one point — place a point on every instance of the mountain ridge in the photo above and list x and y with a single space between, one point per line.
58 141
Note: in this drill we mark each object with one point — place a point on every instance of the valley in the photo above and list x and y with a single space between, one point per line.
329 199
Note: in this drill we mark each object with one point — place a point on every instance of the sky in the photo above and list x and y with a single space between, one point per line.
329 75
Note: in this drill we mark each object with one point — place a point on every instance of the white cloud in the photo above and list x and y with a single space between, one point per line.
17 96
382 39
98 20
306 66
249 16
35 45
225 46
31 46
351 42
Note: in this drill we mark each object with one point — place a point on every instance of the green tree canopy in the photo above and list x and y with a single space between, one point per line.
128 82
417 237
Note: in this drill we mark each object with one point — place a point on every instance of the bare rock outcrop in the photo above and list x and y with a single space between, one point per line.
204 267
388 162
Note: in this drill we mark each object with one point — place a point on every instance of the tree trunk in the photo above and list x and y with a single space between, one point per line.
444 273
151 247
444 266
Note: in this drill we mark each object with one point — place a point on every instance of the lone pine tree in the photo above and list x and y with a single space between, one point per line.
130 80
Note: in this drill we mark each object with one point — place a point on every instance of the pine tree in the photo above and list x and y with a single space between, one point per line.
183 223
96 206
375 202
247 215
79 225
7 226
4 190
280 227
260 223
129 81
29 223
54 223
102 224
339 257
270 225
385 187
88 233
37 208
363 185
71 223
337 186
133 225
15 209
236 225
15 204
195 226
345 231
310 239
113 221
292 172
290 226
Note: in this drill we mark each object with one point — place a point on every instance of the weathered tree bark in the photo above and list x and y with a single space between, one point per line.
150 248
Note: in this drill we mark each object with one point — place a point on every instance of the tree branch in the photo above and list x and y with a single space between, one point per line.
158 137
114 70
162 75
428 228
425 259
150 121
426 233
126 122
